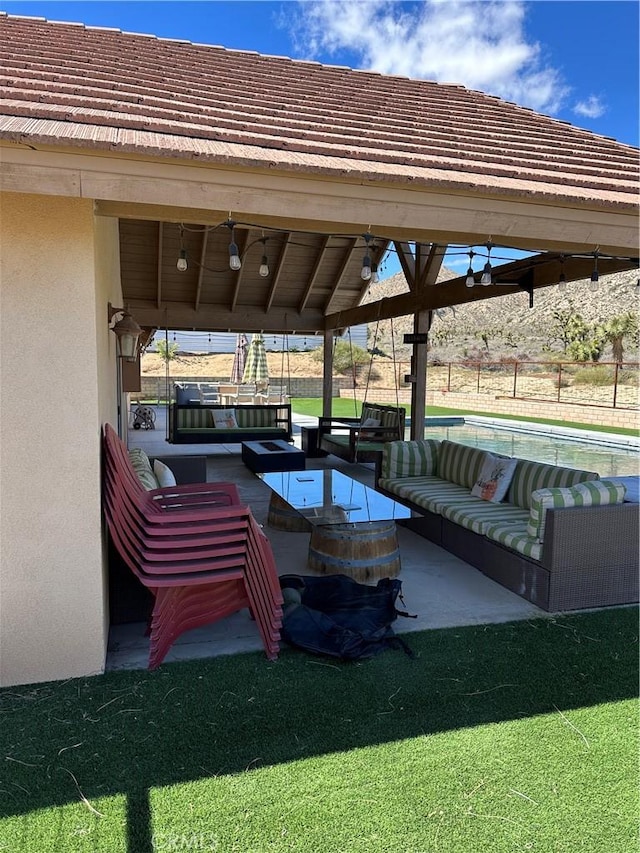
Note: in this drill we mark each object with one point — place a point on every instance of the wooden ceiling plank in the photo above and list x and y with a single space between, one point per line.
314 273
343 266
277 274
201 268
159 269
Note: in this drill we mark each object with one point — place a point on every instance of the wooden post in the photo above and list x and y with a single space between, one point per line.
421 323
327 375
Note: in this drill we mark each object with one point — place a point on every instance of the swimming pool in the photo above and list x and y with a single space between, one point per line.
555 449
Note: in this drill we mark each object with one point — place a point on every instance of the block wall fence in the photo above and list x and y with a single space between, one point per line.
153 388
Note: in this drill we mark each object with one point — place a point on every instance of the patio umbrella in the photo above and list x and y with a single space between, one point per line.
239 359
255 369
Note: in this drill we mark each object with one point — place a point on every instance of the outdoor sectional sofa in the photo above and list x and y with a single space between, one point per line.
561 538
196 424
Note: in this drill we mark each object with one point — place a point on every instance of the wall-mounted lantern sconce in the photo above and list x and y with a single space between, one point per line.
127 333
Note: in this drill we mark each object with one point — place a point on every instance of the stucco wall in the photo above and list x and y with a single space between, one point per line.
52 606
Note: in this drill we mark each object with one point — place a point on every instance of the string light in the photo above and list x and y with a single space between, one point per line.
562 279
365 272
486 272
375 278
470 280
182 265
264 263
234 255
593 284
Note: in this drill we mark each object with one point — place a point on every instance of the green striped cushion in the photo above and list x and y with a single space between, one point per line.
430 493
197 417
590 493
477 514
142 466
393 420
248 418
370 412
515 536
459 463
531 476
409 458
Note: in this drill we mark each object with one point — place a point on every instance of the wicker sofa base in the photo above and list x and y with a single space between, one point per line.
590 558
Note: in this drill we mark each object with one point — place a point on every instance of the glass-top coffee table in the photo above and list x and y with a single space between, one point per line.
353 529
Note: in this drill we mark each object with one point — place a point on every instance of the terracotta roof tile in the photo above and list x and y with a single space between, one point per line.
98 87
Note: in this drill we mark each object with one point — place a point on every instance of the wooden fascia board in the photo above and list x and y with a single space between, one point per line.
195 192
455 292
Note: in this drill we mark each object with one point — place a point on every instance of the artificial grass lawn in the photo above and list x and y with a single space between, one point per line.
520 736
344 407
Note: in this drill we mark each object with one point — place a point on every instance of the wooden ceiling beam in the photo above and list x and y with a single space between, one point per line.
343 267
532 275
201 270
217 318
314 274
278 272
159 269
430 263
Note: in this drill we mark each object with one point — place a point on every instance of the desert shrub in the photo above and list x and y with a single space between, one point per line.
628 377
346 357
600 375
166 351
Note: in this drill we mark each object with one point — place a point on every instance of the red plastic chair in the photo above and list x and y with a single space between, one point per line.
199 551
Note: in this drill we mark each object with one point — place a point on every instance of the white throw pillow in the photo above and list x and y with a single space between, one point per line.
494 478
224 419
164 474
371 422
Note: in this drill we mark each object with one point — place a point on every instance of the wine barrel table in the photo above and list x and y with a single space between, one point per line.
365 551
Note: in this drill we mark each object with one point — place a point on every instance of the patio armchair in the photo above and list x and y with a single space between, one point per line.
361 439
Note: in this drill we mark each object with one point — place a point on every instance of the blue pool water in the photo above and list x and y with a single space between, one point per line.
608 461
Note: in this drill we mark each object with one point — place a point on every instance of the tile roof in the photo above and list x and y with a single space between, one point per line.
80 86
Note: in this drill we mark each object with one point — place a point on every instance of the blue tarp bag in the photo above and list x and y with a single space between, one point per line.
336 616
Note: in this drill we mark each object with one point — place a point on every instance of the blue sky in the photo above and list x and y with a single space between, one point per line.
577 61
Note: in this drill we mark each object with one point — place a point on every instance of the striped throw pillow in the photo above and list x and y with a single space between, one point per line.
591 493
409 458
142 466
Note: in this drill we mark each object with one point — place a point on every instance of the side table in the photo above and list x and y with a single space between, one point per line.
309 442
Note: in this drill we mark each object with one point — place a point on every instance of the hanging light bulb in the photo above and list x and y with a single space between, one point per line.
264 263
486 272
593 284
365 272
234 255
182 265
562 279
470 280
375 278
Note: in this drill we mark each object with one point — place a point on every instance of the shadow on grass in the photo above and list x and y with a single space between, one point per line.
125 733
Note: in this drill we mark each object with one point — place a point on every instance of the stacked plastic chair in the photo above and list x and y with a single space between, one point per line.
196 547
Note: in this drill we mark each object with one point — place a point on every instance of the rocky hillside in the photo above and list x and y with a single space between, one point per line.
507 323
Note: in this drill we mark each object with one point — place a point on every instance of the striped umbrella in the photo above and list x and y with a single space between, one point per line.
256 370
239 359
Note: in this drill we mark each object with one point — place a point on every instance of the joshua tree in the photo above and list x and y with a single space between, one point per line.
617 329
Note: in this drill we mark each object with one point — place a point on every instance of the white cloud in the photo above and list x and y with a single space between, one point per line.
591 107
481 45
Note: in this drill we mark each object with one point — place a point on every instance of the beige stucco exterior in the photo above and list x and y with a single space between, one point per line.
59 266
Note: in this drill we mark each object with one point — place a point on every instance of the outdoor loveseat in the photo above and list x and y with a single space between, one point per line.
361 439
561 538
219 424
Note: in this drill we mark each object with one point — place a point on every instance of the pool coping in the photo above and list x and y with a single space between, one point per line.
607 439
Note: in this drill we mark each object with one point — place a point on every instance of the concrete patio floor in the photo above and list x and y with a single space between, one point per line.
440 589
